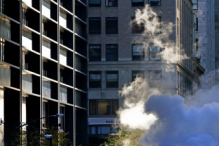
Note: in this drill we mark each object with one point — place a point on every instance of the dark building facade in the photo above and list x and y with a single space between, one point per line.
43 66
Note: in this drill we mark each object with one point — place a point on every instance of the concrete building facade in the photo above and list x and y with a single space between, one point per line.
116 56
205 36
43 67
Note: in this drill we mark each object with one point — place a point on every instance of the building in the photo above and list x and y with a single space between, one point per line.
205 36
115 57
43 66
216 27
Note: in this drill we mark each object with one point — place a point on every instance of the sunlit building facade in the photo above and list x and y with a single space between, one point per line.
43 66
117 56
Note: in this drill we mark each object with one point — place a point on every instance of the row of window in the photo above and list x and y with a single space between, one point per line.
138 52
114 3
112 77
112 25
103 107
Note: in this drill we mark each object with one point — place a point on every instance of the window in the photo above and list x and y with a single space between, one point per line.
63 94
62 119
196 24
154 2
94 3
137 28
94 25
138 73
111 25
111 52
44 114
155 78
103 107
46 89
195 4
95 79
111 3
155 75
137 52
137 3
154 53
27 83
112 79
94 52
2 49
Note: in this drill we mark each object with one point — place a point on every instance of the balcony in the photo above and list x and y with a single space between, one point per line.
27 40
27 2
46 9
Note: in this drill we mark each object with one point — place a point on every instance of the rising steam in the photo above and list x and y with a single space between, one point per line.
168 120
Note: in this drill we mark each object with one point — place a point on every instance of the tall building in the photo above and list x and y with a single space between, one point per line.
205 36
43 66
117 55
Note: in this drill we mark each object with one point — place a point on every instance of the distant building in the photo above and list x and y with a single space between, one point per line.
43 66
116 58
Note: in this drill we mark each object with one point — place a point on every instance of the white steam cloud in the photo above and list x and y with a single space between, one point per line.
168 120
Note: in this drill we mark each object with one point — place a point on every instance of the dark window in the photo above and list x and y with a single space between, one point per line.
111 79
137 52
111 25
95 79
195 4
111 3
154 2
94 25
137 3
94 52
92 107
94 3
196 24
111 52
103 107
138 73
137 28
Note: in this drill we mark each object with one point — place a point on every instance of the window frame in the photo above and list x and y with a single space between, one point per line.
99 57
97 81
141 57
159 2
106 25
112 103
138 74
114 82
97 32
108 58
97 5
195 4
111 6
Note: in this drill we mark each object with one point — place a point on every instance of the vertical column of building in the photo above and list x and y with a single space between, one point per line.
80 71
9 69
